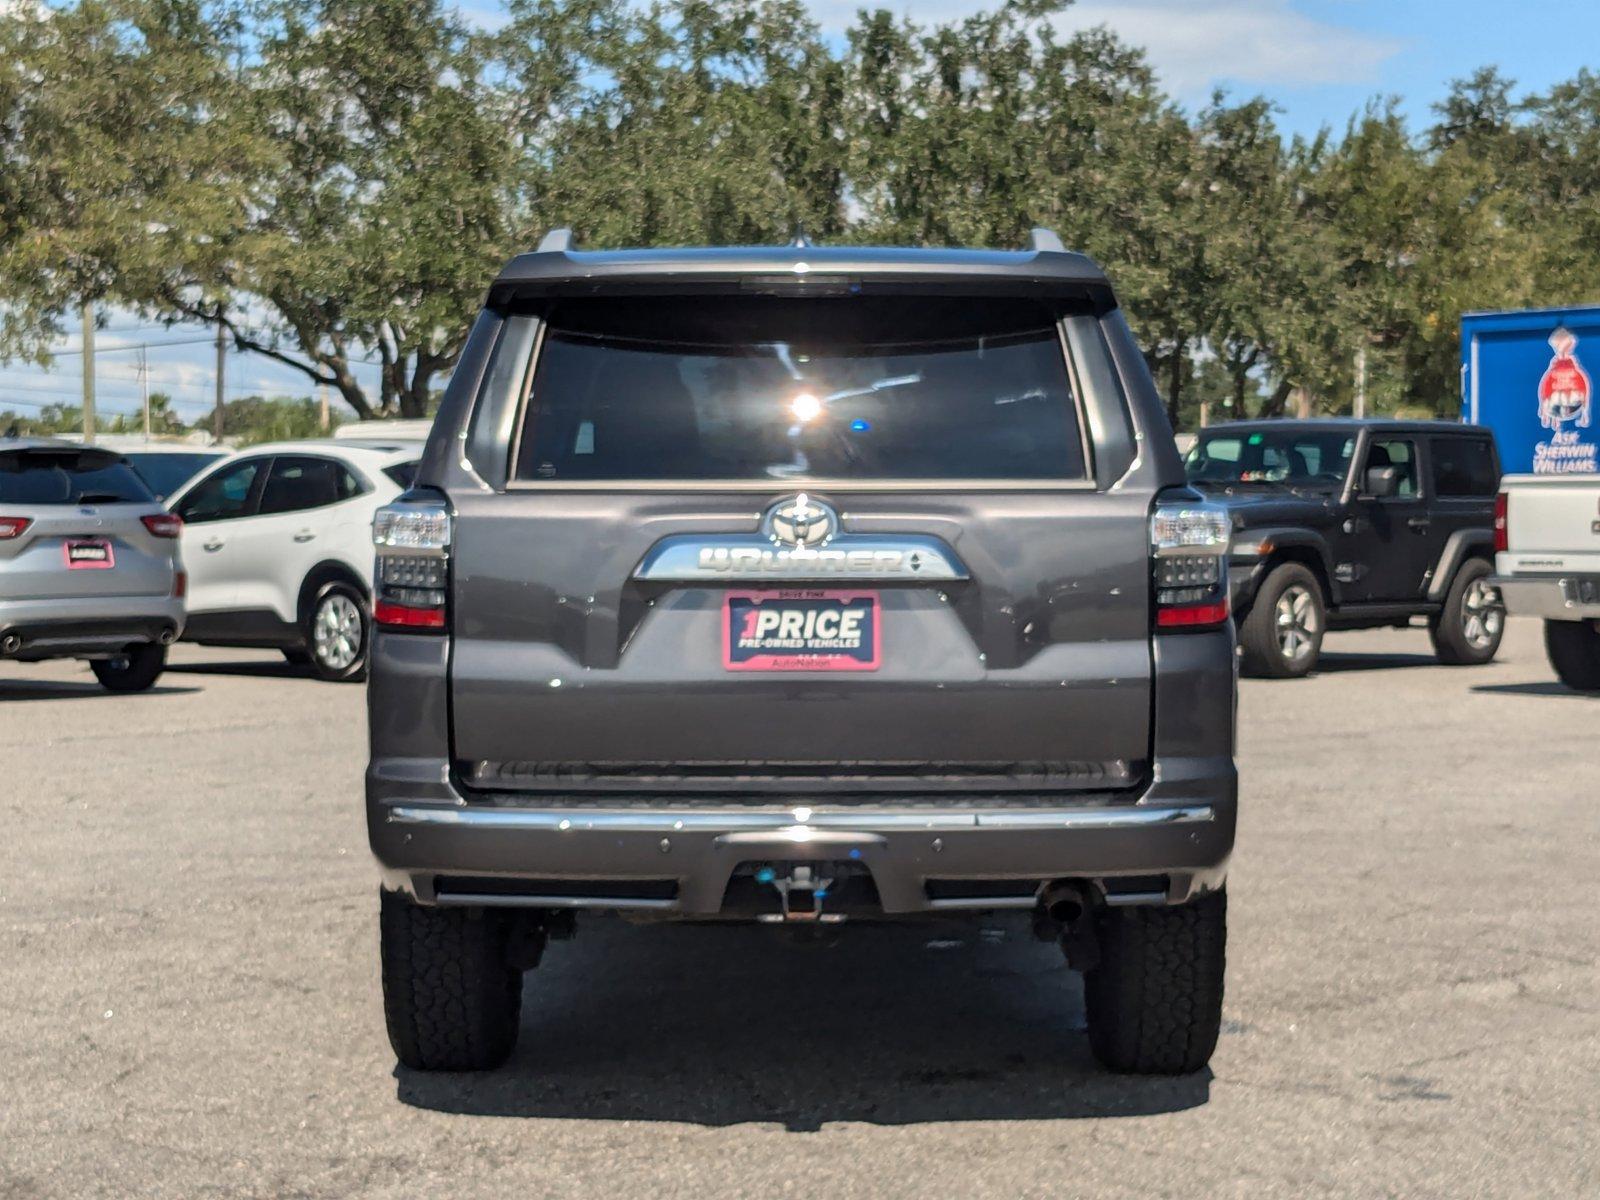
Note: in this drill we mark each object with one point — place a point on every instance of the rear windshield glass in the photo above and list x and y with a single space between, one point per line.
764 389
68 476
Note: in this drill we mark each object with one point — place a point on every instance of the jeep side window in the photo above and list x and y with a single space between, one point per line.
1463 466
1400 454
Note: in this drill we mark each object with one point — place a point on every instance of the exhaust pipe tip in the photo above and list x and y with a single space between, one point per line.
168 636
1064 904
11 643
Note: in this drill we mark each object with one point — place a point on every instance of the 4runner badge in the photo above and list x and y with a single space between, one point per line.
799 538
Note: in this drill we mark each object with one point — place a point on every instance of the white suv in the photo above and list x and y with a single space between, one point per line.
278 544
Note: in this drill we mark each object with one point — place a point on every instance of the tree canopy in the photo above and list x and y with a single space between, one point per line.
334 181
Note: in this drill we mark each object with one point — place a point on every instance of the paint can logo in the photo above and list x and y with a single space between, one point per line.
1565 389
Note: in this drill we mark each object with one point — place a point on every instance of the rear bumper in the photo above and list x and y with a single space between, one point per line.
699 849
33 630
1553 597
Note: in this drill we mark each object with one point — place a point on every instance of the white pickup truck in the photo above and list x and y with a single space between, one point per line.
1547 564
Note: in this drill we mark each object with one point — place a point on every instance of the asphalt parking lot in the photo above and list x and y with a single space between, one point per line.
189 1002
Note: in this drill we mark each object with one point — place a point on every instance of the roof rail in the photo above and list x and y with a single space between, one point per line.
1042 239
558 240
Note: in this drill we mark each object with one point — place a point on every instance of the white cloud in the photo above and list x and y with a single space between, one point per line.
1195 44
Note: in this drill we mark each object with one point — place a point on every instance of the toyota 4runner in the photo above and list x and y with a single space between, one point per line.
802 585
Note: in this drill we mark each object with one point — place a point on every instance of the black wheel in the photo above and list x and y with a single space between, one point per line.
1155 1000
299 658
1282 635
1468 629
1573 648
337 632
134 670
450 999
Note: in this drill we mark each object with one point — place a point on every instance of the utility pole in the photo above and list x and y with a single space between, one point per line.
222 367
1361 382
88 373
144 387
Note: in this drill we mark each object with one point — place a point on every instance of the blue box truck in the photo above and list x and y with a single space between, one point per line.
1530 376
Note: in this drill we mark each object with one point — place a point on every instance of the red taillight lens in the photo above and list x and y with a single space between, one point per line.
163 525
405 616
13 527
1191 616
1502 510
180 585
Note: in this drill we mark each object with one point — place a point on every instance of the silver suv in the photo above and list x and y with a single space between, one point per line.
89 563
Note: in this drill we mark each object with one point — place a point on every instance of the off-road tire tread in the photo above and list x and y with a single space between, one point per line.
1155 1001
1258 634
1450 643
1573 648
450 1001
145 664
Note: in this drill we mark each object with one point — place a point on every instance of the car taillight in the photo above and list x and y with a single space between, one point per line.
180 584
13 527
1189 564
413 566
163 525
1502 532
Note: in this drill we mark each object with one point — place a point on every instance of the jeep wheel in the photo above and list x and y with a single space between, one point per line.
1468 629
337 633
451 1000
1282 636
1573 648
1155 1000
134 670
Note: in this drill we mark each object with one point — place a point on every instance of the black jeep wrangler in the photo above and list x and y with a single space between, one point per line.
1347 524
799 585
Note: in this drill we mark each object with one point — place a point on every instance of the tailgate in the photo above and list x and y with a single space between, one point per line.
1553 524
1031 672
72 552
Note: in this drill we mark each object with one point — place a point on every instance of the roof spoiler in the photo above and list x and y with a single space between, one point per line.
1040 240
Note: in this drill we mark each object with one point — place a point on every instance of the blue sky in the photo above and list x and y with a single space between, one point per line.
1320 60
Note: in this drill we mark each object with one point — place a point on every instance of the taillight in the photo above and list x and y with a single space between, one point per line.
412 570
163 525
1502 532
1189 564
13 527
180 584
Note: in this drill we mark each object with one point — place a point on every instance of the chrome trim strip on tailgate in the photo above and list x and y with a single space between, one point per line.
697 558
789 820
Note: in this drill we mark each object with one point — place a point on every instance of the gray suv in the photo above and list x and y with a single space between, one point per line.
89 563
802 585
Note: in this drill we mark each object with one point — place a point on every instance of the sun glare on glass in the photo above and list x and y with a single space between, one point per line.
805 407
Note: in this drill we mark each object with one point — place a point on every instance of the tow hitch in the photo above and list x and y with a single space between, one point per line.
802 889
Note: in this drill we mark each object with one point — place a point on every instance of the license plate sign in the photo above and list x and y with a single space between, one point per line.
800 630
88 554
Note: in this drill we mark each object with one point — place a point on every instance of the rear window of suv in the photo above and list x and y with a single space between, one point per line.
46 475
763 388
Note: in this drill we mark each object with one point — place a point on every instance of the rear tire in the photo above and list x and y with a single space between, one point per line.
450 999
134 670
1573 648
1282 636
338 631
1155 1000
1468 629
